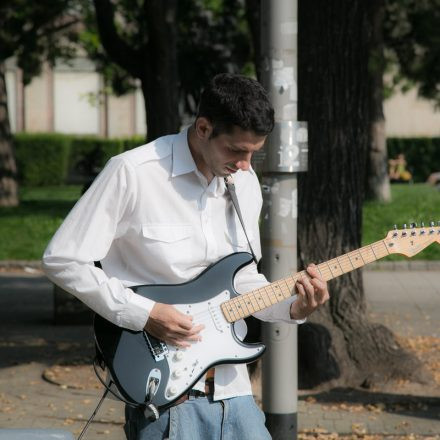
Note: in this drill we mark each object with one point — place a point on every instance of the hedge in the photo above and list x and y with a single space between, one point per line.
56 159
422 155
42 159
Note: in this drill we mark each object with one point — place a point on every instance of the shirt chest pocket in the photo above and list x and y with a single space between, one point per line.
164 240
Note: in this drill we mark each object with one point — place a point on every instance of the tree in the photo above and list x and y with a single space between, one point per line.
172 48
412 41
339 346
31 32
378 182
405 43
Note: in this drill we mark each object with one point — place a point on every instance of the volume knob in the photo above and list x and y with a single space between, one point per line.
177 374
172 391
178 356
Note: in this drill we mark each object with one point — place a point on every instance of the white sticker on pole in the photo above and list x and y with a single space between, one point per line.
285 207
295 203
283 77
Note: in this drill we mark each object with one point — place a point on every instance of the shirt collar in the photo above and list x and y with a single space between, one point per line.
183 161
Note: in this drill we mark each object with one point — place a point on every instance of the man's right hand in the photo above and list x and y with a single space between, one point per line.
168 324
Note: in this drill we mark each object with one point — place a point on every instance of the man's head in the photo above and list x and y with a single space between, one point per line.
231 100
232 123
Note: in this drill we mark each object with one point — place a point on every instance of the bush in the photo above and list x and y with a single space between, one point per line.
42 159
89 154
422 155
57 159
133 142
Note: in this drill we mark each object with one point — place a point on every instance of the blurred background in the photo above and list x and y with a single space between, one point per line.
81 81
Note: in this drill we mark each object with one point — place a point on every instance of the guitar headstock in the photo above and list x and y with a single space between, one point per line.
410 241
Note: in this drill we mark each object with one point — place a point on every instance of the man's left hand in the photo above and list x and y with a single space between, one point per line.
312 292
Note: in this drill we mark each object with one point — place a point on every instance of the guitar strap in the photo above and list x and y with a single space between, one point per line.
230 186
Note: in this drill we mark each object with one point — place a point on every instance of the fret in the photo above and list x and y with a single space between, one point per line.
319 270
381 249
260 299
325 271
358 260
262 296
254 301
348 264
374 253
367 254
247 298
225 311
335 268
230 310
290 284
349 259
278 292
329 268
340 265
269 296
239 310
244 307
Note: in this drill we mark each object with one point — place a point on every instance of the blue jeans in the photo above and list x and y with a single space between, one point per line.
201 418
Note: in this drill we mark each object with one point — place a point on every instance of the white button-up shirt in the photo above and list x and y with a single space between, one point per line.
151 217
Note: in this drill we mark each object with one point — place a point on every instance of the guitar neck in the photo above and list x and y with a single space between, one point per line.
245 305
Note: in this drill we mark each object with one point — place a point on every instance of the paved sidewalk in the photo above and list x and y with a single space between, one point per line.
406 301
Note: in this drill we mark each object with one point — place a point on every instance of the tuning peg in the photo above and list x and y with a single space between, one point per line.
404 230
395 233
423 228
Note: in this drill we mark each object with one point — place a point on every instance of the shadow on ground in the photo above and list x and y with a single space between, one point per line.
401 404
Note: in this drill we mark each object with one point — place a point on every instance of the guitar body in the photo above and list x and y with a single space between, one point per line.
146 370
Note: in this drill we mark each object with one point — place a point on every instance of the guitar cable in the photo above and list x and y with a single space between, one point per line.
149 406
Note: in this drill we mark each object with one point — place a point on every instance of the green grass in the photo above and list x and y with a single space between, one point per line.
26 230
410 204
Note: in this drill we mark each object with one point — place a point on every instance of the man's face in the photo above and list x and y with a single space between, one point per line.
229 152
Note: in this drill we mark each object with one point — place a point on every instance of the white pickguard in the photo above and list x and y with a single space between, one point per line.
217 344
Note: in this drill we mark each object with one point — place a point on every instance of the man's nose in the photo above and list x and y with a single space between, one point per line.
245 162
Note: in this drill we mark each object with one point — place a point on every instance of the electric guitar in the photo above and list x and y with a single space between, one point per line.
147 371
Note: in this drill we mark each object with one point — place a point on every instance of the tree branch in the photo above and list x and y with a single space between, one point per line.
55 29
119 52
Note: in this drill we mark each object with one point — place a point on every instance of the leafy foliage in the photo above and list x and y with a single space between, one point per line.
412 39
212 38
37 31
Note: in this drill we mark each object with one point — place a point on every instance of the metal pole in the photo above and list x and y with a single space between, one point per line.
286 154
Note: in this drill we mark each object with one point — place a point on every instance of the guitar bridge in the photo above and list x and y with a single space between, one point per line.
158 348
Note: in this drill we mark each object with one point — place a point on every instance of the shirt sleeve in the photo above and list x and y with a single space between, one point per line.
248 278
86 235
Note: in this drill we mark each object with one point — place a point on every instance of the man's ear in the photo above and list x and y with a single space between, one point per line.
203 127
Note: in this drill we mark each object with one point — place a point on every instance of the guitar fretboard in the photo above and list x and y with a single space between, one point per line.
245 305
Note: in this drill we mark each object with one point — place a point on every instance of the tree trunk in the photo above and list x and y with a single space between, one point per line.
160 78
378 182
253 18
8 169
338 346
153 63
